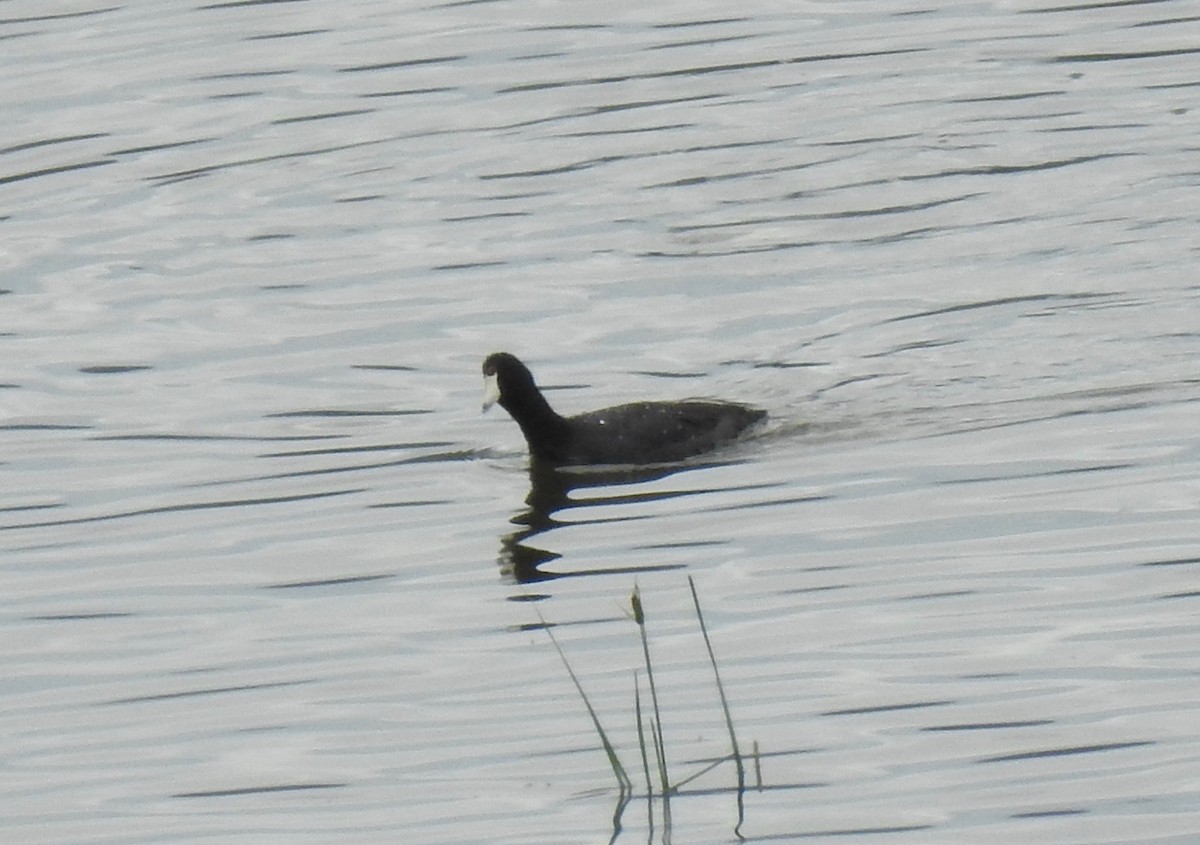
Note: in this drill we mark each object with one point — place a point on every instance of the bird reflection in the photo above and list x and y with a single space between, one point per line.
550 492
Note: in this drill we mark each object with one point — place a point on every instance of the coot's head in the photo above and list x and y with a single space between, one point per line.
509 384
507 381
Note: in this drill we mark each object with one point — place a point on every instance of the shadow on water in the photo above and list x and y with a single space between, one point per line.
551 492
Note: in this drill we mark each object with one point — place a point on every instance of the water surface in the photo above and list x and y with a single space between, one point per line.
269 576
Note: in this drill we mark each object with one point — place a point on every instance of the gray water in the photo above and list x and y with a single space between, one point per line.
268 576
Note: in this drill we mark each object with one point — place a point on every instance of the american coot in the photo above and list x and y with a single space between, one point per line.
637 433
